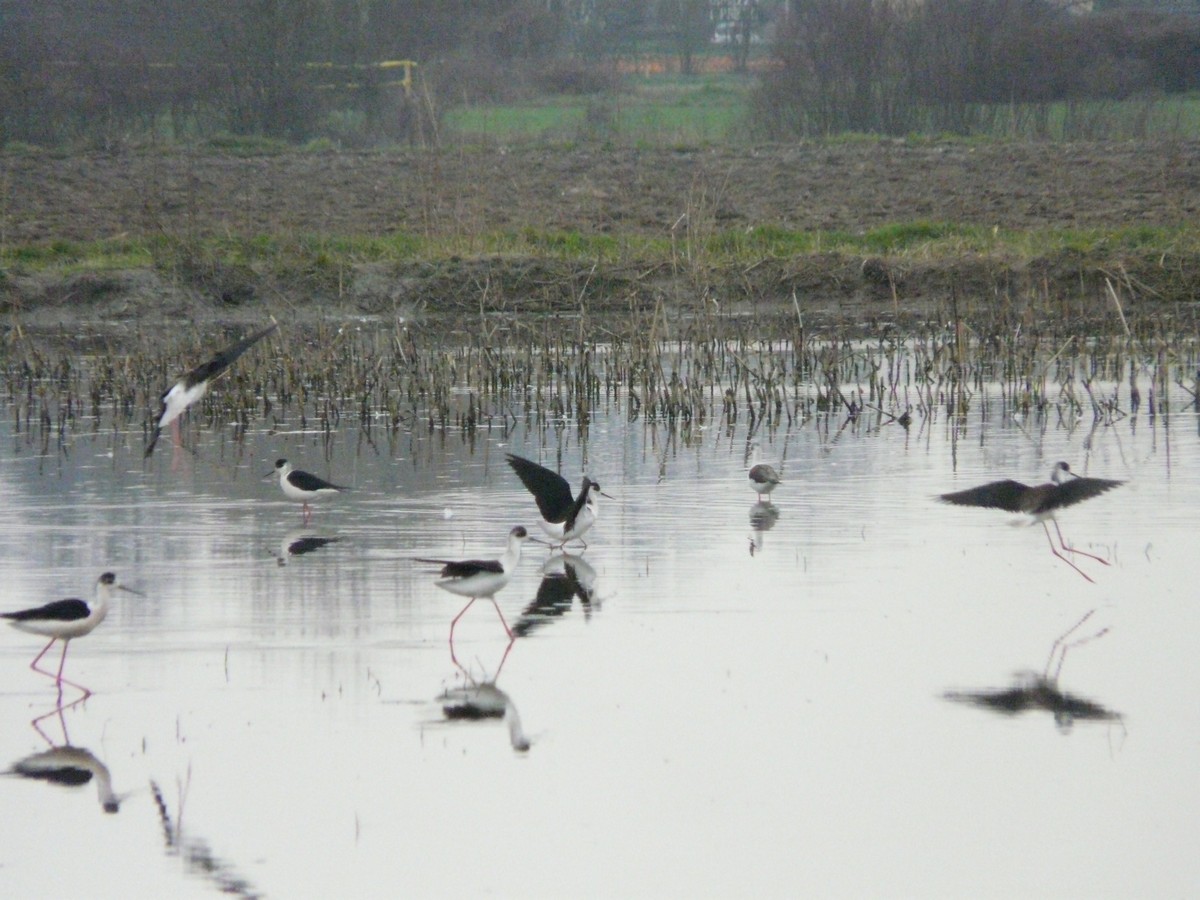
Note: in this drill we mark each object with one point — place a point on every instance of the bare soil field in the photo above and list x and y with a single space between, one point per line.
456 195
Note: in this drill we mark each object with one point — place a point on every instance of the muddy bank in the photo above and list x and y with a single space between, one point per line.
454 195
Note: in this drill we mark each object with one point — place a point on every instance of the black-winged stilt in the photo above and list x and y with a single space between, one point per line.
192 386
564 517
475 578
64 620
303 486
1040 502
763 477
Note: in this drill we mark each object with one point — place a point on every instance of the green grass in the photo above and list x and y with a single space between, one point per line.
666 110
304 255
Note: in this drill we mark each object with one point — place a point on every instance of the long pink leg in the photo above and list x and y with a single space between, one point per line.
34 665
176 444
507 630
306 513
58 677
1073 550
1054 550
462 612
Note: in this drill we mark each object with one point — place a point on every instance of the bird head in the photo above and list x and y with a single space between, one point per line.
281 468
1061 472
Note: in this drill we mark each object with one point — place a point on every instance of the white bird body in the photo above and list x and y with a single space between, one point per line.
302 486
481 577
65 620
193 386
558 532
564 517
477 578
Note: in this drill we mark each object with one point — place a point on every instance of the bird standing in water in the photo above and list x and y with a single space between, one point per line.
477 578
763 477
565 517
297 484
64 620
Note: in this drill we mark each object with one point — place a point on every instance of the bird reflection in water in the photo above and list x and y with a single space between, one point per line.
1034 691
763 516
565 578
67 765
300 541
479 699
196 854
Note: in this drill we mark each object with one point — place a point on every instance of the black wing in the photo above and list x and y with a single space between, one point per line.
1077 490
70 610
153 440
1007 495
225 358
551 491
306 481
578 504
463 568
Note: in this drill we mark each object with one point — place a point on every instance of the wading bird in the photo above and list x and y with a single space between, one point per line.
297 484
763 477
564 517
64 620
477 578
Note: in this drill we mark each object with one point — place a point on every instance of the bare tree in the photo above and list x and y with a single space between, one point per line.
690 25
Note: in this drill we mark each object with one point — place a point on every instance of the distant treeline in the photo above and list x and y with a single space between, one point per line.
958 66
100 72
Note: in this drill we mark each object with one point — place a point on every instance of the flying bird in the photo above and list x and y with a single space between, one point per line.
1039 502
192 386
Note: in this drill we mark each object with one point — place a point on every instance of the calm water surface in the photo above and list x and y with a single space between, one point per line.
705 720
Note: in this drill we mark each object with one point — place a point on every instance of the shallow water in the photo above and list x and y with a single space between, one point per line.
703 719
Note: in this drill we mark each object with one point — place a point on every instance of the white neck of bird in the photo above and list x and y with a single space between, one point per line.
512 554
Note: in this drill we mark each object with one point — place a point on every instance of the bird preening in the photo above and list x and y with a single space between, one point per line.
1039 502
